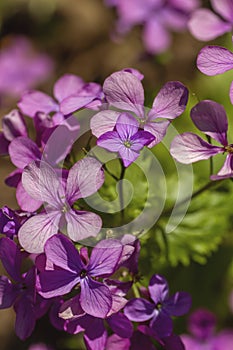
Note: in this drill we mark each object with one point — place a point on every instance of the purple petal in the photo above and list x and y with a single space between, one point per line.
140 139
154 28
226 171
110 141
139 310
34 233
179 304
95 298
11 258
61 252
158 289
202 324
42 183
174 342
36 101
14 178
13 125
82 224
118 303
8 293
95 335
170 102
103 121
205 25
224 8
4 143
120 325
23 151
42 122
67 85
104 258
141 341
231 92
25 318
135 72
189 148
213 60
123 90
126 126
210 117
128 155
161 324
158 130
84 179
25 201
115 342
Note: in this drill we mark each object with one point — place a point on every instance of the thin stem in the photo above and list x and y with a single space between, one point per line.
135 291
211 158
121 193
165 240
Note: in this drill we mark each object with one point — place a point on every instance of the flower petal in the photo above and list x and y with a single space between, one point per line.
8 293
14 178
67 85
95 335
105 257
25 318
82 224
231 92
114 342
205 25
226 171
34 233
139 310
224 8
158 130
95 298
120 325
213 60
178 304
103 121
126 126
13 125
84 179
11 258
189 148
155 36
210 117
123 90
4 143
158 289
162 325
25 201
36 101
23 151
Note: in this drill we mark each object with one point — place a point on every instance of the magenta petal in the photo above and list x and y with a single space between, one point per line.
23 151
178 304
126 126
67 85
158 130
123 90
42 183
103 121
105 257
82 224
120 325
25 201
226 171
34 233
205 25
210 117
14 178
11 258
95 298
189 148
13 125
25 318
158 289
213 60
224 8
170 102
36 101
155 36
8 293
84 179
139 310
61 252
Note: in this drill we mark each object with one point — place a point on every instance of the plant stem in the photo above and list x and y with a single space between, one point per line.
165 240
121 192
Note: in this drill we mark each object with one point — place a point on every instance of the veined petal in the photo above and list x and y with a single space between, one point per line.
158 289
8 293
23 151
224 8
210 117
120 325
25 318
11 258
155 36
158 130
95 335
161 324
103 121
189 148
125 91
95 298
226 171
128 155
114 342
67 85
42 183
205 25
178 304
105 257
213 60
34 233
36 101
139 310
170 102
82 224
140 139
13 125
25 201
126 126
110 141
61 252
84 179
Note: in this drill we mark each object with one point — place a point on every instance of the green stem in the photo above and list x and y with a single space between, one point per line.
165 240
121 192
211 158
135 291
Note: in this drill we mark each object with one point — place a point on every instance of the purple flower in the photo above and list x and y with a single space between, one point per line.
158 17
39 346
9 222
20 293
161 307
42 183
124 90
214 60
71 93
202 328
126 139
21 67
209 117
70 271
206 25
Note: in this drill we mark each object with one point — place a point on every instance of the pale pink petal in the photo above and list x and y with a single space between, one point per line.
155 37
226 171
213 60
67 85
103 121
36 101
25 201
224 8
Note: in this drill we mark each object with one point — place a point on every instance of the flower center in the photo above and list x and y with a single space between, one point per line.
229 148
127 143
83 273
